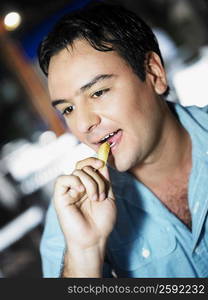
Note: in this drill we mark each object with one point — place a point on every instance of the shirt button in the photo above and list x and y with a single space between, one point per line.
145 253
197 250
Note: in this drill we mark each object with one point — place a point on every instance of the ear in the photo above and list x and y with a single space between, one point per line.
156 73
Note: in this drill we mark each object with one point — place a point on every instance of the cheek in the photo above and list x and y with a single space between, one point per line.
73 129
121 108
130 113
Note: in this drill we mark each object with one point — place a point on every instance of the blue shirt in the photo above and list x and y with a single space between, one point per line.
148 240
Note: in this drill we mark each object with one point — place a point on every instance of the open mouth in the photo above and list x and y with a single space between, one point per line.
111 138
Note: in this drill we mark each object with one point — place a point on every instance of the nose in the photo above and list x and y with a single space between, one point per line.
86 120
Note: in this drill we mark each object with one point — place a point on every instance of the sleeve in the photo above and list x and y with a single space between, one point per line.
52 246
205 108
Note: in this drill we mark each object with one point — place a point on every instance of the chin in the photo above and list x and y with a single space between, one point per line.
119 166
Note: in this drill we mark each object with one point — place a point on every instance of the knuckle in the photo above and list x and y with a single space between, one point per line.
87 168
59 179
76 173
86 162
73 193
93 184
77 165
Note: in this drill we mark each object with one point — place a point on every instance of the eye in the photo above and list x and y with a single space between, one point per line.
68 110
100 93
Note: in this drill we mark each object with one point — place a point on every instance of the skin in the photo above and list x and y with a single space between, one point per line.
129 100
98 93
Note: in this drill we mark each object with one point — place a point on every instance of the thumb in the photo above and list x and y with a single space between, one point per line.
110 193
105 173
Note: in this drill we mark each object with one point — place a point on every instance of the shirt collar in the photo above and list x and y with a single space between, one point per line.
194 120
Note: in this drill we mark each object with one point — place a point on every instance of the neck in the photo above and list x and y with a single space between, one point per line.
170 158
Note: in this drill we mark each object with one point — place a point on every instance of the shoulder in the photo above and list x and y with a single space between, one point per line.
193 117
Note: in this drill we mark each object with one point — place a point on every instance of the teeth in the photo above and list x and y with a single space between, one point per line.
111 145
107 136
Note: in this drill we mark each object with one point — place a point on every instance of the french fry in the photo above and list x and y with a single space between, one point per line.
103 152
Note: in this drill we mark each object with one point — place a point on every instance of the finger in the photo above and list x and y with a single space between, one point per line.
90 161
68 182
89 183
68 191
99 180
105 173
110 193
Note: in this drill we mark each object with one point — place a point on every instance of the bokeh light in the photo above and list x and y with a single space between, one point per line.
12 20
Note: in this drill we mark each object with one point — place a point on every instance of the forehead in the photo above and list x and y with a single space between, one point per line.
75 65
82 52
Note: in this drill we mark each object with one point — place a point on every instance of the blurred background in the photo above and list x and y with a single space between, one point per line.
35 146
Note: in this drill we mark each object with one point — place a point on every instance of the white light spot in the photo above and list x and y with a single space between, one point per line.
145 253
47 137
196 207
197 250
12 20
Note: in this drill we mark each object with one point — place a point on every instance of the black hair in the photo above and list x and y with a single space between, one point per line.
107 28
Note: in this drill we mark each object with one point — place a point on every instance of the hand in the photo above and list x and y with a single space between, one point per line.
85 204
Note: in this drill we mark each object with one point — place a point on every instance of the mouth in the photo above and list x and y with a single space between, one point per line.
112 138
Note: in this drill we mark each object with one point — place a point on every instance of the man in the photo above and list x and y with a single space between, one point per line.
146 214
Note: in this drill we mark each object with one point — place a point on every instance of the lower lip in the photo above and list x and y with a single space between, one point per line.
118 137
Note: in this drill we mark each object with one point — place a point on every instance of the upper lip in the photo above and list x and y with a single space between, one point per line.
98 140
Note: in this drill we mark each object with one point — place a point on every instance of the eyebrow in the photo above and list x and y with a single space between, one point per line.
95 80
85 87
57 102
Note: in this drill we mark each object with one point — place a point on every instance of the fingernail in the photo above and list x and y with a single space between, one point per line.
73 193
99 163
81 188
94 197
102 196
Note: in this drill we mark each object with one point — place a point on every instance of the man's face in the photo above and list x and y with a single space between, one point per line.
99 94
